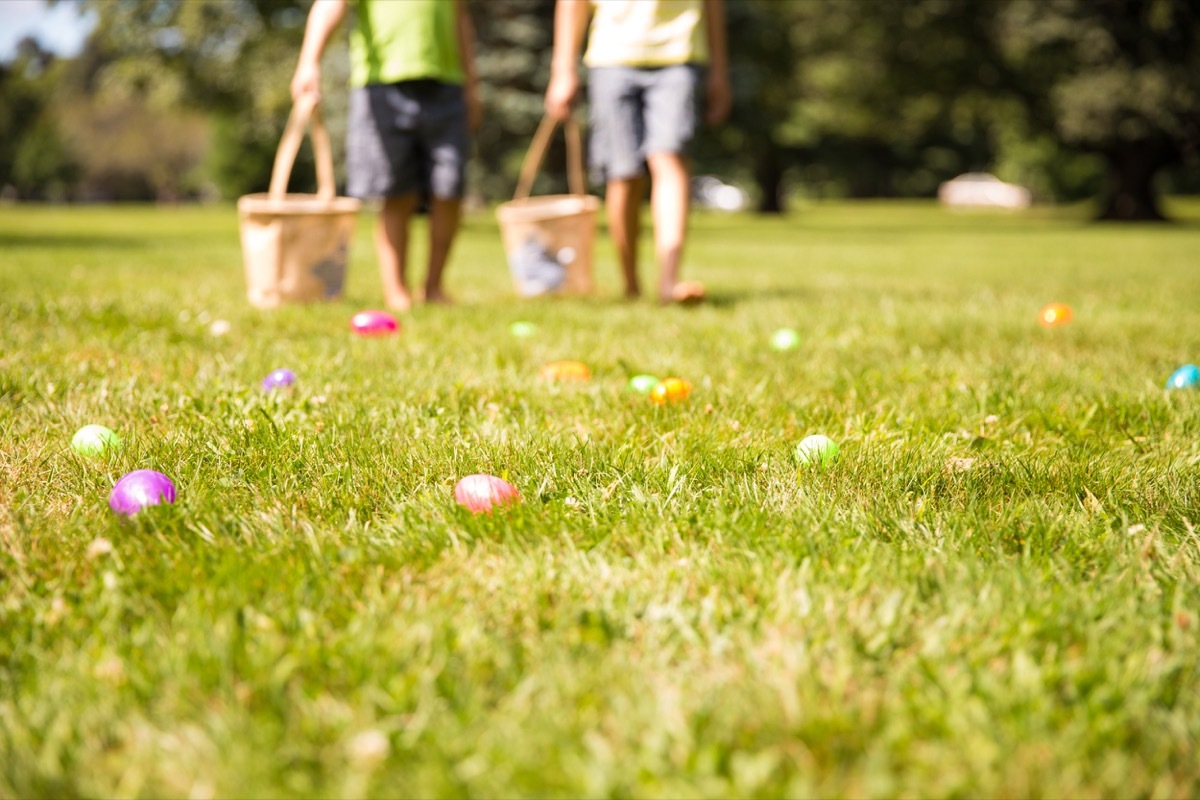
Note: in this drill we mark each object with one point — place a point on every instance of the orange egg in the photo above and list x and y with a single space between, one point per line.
670 390
566 371
1055 314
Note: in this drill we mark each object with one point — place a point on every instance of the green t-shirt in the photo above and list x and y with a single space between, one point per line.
404 40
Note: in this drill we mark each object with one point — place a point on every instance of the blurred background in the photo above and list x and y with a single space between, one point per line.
1070 100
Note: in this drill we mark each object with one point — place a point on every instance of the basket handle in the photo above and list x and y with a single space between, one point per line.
537 151
304 112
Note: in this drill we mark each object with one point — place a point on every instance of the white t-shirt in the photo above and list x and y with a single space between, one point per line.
646 33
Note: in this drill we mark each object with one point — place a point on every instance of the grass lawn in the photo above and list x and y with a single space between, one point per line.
994 592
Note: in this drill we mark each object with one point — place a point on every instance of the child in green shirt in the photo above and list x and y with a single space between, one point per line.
413 100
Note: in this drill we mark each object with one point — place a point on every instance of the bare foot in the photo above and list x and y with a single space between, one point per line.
684 293
437 297
399 300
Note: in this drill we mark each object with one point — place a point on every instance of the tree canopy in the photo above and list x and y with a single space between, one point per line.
1073 98
1120 78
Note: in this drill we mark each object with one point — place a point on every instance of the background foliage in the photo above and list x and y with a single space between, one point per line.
1073 98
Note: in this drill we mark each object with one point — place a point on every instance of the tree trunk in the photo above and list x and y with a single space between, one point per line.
768 174
1131 196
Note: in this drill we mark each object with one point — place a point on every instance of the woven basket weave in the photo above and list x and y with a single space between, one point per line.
295 246
549 240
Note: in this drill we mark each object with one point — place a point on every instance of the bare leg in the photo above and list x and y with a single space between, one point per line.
623 201
669 195
391 248
444 217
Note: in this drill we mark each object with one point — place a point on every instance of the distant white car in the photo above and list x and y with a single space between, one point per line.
982 190
712 192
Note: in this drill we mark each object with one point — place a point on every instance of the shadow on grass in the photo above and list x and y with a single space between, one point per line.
727 298
69 241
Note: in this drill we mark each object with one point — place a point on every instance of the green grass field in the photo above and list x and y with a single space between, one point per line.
994 592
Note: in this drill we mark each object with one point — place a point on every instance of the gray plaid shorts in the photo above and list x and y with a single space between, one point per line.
407 137
638 111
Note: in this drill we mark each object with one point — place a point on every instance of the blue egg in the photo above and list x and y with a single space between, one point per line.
1186 377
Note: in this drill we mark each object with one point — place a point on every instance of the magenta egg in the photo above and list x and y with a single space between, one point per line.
140 489
279 379
374 323
480 493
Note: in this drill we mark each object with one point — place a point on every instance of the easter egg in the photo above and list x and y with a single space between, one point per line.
374 323
522 330
93 440
140 489
566 371
642 384
1186 377
279 379
480 493
817 449
784 339
1055 314
670 390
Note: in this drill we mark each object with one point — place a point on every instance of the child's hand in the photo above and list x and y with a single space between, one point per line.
306 80
560 94
474 107
719 97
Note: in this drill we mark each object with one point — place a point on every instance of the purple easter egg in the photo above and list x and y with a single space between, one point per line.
279 379
374 323
139 489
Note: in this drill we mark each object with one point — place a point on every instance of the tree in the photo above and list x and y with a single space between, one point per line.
130 150
34 160
862 98
1120 78
894 98
754 143
513 59
229 59
234 59
891 97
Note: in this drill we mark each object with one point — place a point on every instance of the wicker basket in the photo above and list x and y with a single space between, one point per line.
295 246
549 240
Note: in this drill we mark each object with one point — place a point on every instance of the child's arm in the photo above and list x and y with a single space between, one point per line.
466 48
570 24
720 95
323 20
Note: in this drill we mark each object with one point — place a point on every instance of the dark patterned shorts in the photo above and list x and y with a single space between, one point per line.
407 137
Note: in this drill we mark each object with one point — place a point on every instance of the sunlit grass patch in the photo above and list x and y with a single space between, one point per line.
992 591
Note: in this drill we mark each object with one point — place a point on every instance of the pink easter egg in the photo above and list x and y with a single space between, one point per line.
374 323
480 493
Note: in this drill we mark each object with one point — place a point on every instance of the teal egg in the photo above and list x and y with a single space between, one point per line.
1186 377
